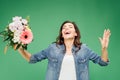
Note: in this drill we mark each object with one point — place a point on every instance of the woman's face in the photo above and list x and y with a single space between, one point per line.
68 31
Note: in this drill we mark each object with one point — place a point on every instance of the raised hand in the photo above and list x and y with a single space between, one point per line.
105 40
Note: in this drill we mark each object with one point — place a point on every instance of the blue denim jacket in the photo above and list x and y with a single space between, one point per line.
55 55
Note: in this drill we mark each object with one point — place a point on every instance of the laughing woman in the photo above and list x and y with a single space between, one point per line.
68 58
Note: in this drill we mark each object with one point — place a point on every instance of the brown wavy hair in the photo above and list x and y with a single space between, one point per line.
60 40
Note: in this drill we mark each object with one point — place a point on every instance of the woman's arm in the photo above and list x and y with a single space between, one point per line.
24 53
104 43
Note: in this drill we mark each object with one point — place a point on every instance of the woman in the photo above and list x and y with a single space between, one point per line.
68 58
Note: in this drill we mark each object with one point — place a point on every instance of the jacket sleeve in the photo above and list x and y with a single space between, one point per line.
39 56
96 58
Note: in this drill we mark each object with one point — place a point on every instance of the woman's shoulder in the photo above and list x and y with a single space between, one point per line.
85 46
54 45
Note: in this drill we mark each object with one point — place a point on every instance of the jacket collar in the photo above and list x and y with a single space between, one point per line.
74 49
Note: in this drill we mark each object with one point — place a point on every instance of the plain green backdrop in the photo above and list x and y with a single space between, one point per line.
46 17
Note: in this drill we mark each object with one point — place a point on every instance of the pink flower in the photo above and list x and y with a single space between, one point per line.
26 37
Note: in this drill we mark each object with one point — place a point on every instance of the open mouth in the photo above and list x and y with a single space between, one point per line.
67 33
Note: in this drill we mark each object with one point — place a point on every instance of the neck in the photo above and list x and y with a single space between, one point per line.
68 44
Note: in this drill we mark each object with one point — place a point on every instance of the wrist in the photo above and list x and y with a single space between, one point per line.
104 48
20 49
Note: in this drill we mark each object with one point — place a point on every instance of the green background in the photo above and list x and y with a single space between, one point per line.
46 16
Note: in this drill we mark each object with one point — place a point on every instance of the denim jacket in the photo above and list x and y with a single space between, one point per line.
55 55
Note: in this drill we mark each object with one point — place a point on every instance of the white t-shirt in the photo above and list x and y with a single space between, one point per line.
68 71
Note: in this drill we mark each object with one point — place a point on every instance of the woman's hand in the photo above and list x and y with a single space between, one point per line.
105 40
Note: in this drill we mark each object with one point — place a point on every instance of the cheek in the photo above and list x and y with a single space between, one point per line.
62 33
75 34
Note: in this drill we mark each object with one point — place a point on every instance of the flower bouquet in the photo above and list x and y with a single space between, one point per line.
17 33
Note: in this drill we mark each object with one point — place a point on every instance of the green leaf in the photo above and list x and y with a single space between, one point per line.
28 18
2 33
6 48
24 46
6 39
11 43
18 46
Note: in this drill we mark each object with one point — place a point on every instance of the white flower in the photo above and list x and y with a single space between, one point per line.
17 25
12 26
24 21
17 18
16 39
17 33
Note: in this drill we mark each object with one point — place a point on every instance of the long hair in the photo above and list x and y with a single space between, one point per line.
60 39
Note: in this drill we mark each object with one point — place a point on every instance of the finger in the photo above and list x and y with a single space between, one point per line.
105 34
100 39
108 33
108 30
